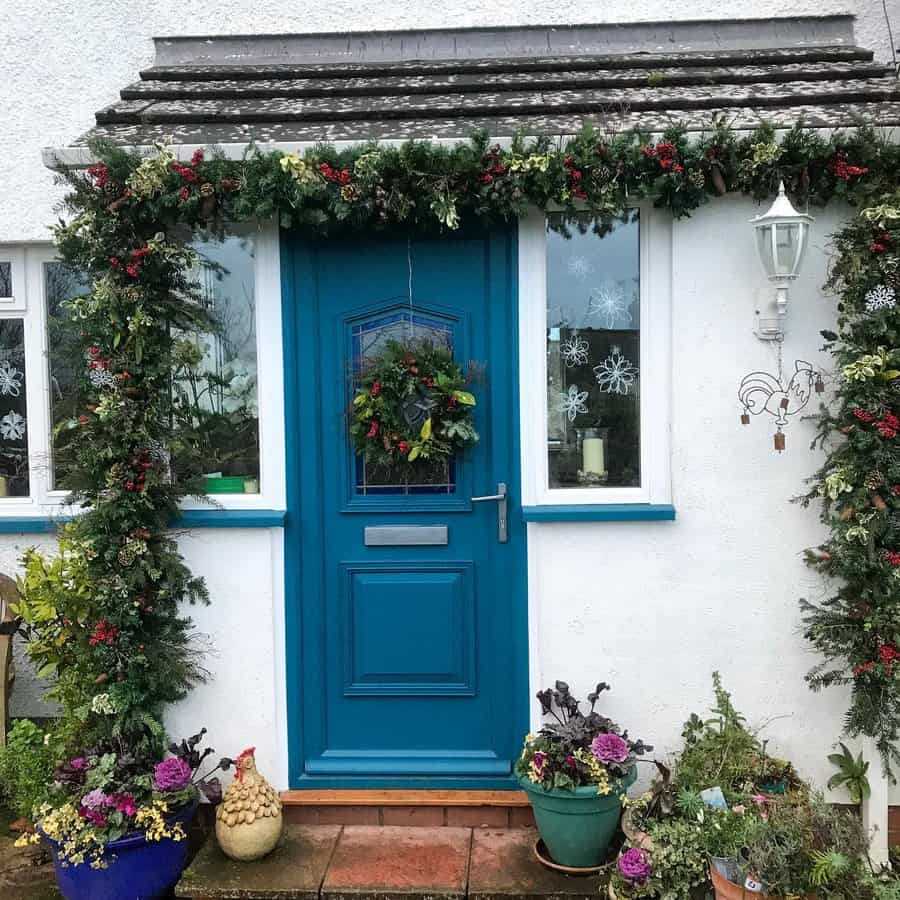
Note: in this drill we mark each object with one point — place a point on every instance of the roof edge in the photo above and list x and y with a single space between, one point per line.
506 42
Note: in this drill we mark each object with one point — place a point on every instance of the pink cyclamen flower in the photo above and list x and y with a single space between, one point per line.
609 748
124 803
172 774
94 816
78 763
634 865
95 799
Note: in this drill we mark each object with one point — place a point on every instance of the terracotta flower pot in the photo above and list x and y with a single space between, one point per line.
727 890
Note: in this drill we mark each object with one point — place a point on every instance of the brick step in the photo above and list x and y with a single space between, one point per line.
468 809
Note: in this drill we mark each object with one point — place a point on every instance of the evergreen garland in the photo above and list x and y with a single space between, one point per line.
857 629
106 617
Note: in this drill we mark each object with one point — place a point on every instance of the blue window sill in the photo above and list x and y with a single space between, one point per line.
601 512
189 518
230 518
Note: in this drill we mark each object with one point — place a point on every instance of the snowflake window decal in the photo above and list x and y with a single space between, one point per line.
12 426
880 297
102 378
574 351
607 302
573 402
580 267
10 379
615 374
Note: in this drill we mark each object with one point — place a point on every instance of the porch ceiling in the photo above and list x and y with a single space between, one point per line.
296 89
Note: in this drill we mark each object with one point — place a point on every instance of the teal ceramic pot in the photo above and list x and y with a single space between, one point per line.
576 826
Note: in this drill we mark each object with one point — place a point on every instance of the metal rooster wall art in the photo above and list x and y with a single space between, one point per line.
763 392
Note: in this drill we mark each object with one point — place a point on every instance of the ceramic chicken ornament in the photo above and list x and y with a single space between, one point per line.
248 820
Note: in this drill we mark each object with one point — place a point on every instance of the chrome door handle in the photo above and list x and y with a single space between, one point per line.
500 498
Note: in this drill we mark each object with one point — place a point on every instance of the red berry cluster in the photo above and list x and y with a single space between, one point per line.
103 633
893 557
882 242
140 463
492 163
840 168
133 262
338 176
575 175
888 426
96 362
188 174
99 174
665 153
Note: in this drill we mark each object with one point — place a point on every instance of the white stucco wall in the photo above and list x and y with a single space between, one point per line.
651 607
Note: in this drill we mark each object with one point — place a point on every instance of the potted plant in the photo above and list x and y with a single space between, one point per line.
673 866
805 849
116 825
576 770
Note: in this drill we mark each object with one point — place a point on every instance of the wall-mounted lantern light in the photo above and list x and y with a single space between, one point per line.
781 238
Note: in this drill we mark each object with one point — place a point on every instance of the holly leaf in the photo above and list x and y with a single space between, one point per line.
464 397
414 453
425 433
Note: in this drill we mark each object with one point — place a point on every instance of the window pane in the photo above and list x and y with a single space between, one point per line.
217 376
13 413
369 340
5 279
593 352
62 284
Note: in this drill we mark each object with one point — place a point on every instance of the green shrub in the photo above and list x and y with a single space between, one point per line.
26 767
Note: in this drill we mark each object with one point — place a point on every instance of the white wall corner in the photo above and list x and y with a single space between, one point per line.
875 809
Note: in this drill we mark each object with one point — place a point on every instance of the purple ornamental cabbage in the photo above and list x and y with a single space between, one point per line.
609 748
635 866
172 774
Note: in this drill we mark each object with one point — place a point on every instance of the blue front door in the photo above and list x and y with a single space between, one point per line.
407 661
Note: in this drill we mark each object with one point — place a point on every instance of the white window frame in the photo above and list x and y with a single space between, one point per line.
270 382
655 368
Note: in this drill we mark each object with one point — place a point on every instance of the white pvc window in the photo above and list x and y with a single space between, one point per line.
594 344
242 378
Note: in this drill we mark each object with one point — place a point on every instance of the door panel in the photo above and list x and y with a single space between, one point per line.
407 649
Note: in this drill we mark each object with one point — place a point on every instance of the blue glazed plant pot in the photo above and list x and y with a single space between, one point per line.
576 826
137 869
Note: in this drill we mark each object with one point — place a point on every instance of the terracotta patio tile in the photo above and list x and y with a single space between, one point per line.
294 870
478 816
396 862
503 867
413 815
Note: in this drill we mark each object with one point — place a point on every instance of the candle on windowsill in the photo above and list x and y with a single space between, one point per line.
593 456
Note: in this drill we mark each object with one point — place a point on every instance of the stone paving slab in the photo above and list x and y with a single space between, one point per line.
503 866
294 870
397 863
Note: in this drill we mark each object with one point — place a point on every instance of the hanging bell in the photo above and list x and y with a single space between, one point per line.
779 441
820 384
745 418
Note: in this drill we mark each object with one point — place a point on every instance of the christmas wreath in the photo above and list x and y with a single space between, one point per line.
411 406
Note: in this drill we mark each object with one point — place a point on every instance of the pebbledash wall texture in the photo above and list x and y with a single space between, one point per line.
651 607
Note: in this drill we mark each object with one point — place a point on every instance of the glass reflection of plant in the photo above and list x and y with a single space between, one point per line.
214 390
